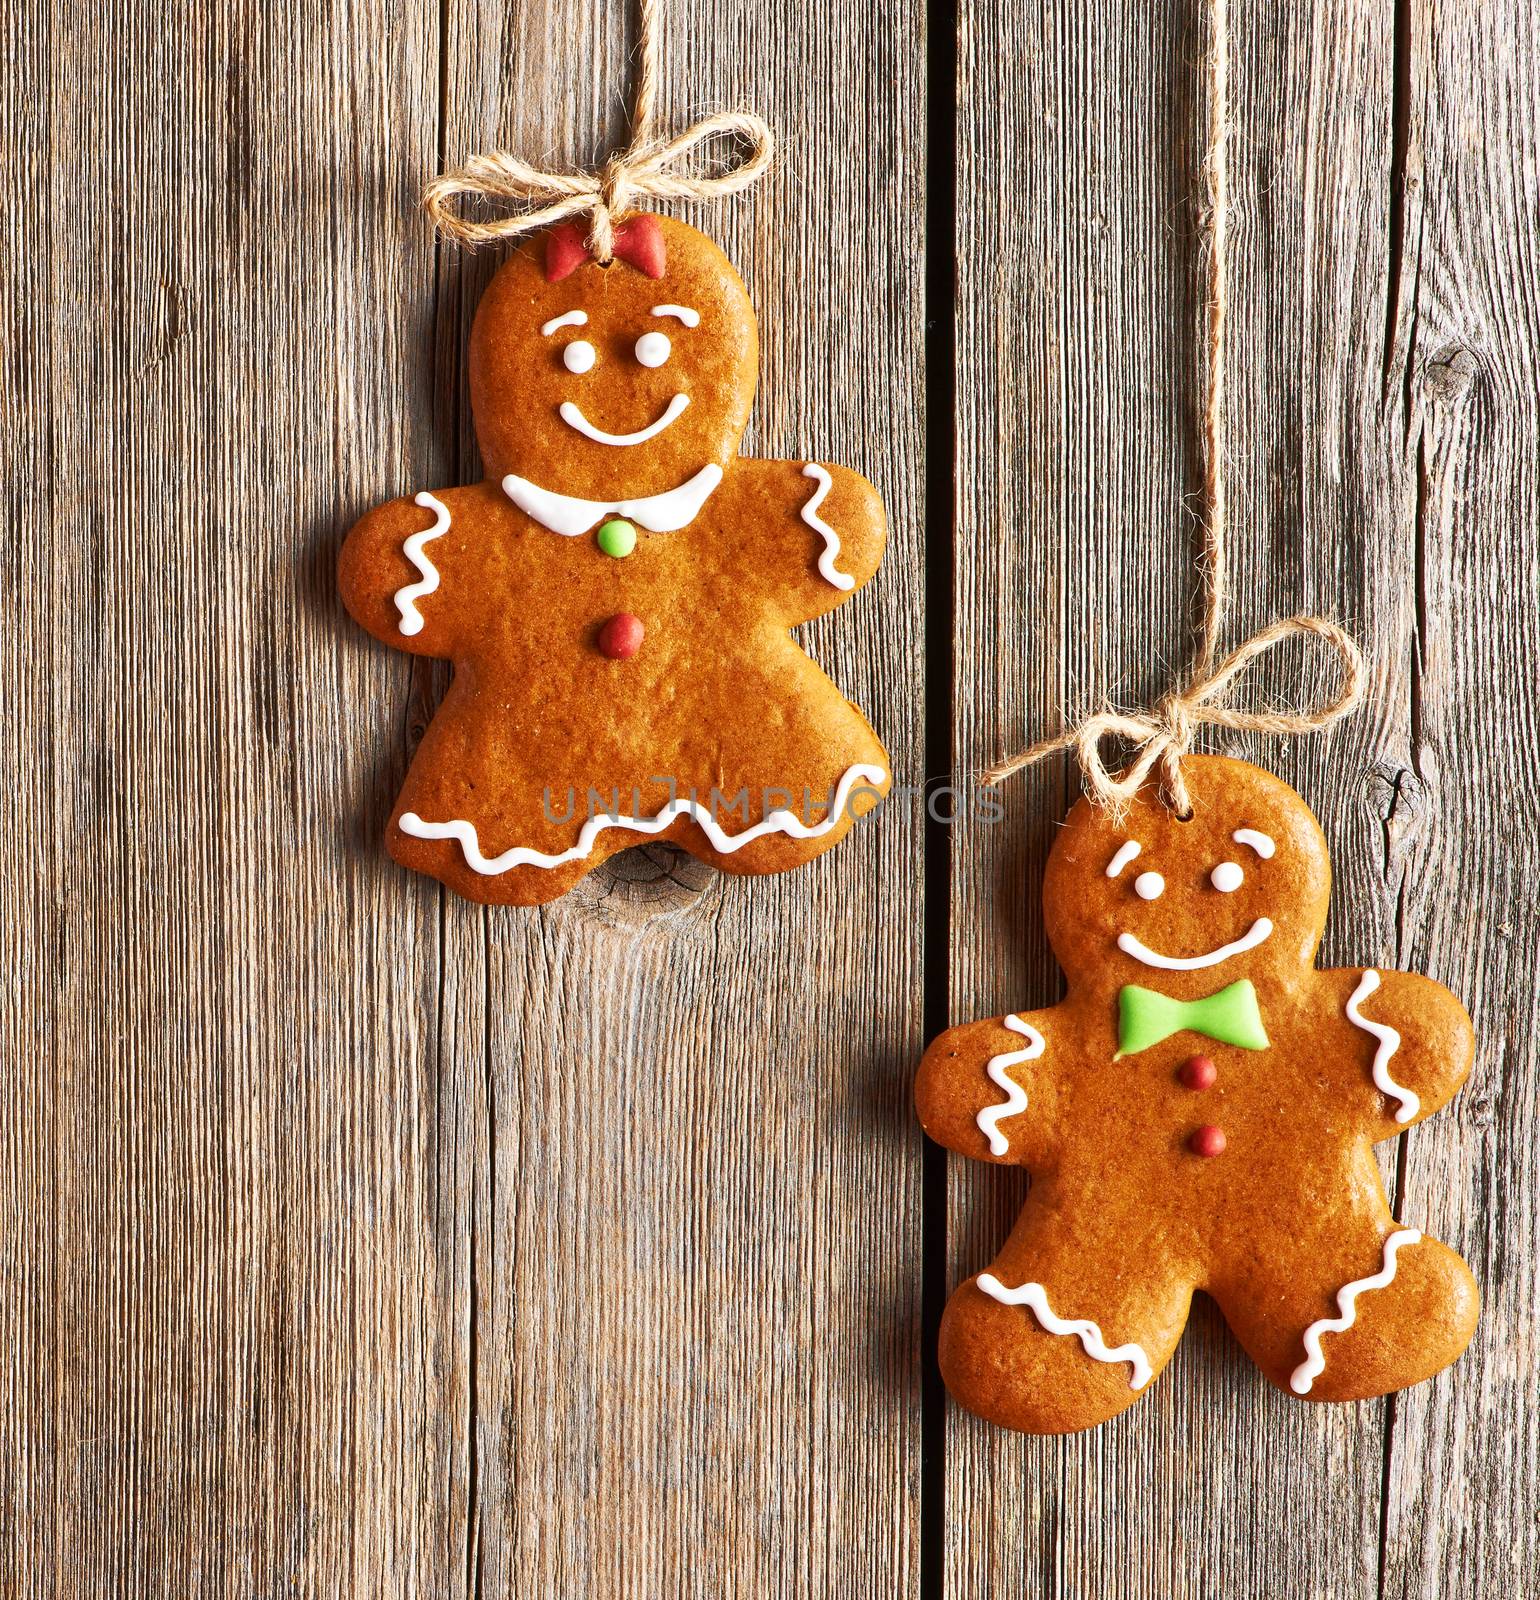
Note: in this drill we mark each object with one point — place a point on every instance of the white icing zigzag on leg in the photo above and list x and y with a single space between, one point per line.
1035 1297
1314 1365
787 822
1016 1097
407 598
1389 1043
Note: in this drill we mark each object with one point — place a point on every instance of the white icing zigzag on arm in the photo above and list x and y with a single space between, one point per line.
1389 1043
1016 1097
787 822
831 540
1314 1365
407 598
1035 1297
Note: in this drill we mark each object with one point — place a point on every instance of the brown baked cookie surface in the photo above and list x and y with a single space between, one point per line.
1198 1113
616 596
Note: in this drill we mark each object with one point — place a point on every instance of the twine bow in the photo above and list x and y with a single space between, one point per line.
649 168
1163 735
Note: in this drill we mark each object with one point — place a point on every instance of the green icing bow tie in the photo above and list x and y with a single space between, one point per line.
1232 1017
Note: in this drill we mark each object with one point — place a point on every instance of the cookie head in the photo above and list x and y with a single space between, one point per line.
619 380
1239 889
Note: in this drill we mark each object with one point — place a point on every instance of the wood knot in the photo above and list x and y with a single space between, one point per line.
645 881
1447 379
1403 802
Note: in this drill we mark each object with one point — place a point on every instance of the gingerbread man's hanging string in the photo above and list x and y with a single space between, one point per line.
617 594
1162 736
1199 1112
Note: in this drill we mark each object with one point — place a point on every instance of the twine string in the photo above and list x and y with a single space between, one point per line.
649 168
1163 735
1215 235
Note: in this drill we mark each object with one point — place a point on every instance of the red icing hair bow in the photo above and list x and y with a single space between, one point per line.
638 242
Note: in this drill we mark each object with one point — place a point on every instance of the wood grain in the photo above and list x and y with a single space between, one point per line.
694 1193
215 1366
1351 439
1464 1469
357 1241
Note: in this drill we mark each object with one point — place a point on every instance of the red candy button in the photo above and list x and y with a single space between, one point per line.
621 637
1206 1141
1199 1073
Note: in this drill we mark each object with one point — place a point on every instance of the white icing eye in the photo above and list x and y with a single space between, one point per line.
652 349
1227 877
579 356
1149 886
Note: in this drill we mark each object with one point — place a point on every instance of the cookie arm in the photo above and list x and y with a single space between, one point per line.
1418 1044
820 537
988 1089
389 573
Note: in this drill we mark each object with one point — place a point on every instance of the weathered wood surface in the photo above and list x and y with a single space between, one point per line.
1384 446
357 1241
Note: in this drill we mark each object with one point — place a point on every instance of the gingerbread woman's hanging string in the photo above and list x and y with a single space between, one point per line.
650 168
1199 1112
617 594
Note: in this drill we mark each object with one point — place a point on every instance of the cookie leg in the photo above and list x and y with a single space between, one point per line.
856 793
1385 1309
445 860
1046 1357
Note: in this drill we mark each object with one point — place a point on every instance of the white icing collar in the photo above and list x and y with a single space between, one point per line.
658 513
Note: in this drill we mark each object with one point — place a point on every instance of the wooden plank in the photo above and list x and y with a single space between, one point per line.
684 1158
1463 1475
28 1256
331 1308
1077 433
224 1373
319 1278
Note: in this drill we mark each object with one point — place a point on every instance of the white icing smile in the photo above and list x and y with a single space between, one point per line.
574 418
1131 946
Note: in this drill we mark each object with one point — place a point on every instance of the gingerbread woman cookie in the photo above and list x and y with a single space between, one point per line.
616 595
1198 1113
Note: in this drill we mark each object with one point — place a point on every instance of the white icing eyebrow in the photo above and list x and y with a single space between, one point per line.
1126 853
689 317
1260 842
568 319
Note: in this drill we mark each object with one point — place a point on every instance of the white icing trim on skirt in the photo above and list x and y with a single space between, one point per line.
787 822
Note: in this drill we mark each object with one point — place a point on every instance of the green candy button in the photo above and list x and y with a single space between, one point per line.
617 538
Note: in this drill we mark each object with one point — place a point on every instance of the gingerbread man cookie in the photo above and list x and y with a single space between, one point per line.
1198 1113
616 596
